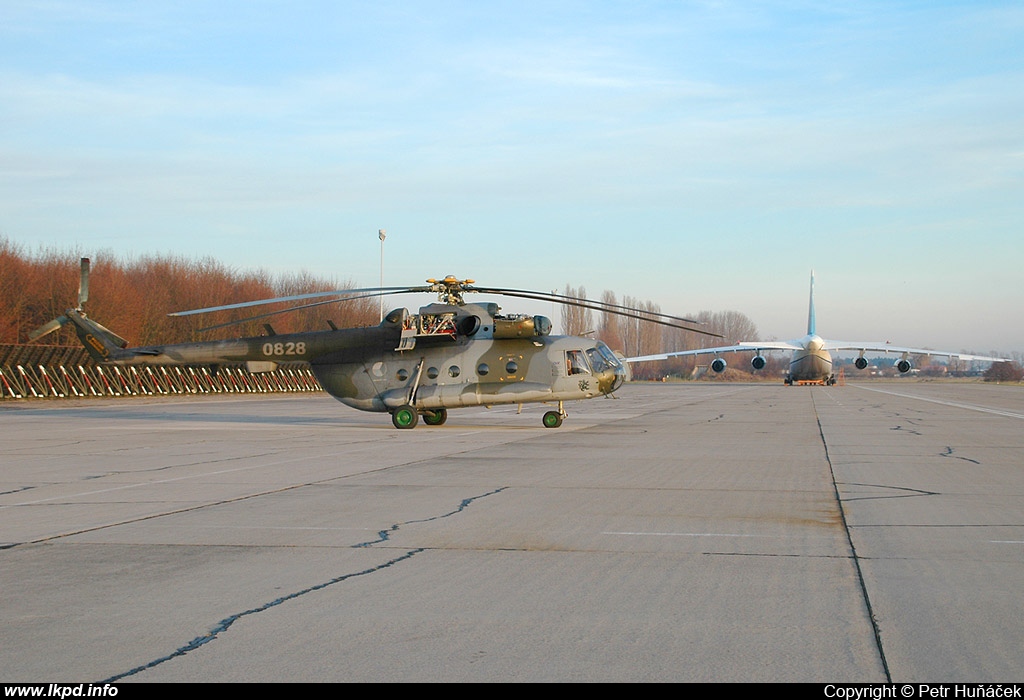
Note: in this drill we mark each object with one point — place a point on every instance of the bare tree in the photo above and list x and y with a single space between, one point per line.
1004 372
629 329
609 328
649 334
733 326
576 320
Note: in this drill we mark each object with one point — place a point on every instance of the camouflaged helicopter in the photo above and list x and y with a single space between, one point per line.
452 354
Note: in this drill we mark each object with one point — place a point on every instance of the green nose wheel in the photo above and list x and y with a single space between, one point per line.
552 419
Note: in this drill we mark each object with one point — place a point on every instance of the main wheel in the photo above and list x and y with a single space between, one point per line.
552 419
405 417
437 417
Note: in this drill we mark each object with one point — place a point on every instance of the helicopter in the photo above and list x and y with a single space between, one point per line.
452 354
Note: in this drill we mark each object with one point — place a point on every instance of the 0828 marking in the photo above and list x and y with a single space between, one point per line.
278 349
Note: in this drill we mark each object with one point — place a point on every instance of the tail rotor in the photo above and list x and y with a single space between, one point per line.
84 327
83 284
61 321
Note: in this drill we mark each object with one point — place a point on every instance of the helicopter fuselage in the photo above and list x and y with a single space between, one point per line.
451 354
481 372
446 357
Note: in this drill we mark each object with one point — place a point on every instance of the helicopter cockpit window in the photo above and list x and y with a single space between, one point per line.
597 361
607 354
575 362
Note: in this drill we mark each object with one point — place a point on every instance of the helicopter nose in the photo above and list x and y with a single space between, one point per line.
610 380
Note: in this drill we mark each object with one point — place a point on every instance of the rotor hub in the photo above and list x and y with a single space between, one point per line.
450 290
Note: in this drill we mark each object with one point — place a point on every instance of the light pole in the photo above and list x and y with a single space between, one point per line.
554 309
382 234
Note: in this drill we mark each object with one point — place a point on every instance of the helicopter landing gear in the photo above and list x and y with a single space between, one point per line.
405 417
436 417
552 419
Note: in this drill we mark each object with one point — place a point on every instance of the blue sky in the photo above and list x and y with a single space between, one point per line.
702 155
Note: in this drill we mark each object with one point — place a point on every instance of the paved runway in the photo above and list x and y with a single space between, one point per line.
685 532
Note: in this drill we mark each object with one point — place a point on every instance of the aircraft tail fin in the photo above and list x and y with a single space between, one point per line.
101 343
811 324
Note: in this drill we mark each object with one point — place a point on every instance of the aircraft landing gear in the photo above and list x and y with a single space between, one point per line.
435 417
405 417
553 419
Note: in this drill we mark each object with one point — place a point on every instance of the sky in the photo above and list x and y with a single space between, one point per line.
700 155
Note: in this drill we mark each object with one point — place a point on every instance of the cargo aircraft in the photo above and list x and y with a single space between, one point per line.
811 362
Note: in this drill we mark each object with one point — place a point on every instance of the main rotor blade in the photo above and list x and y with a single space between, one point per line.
299 297
565 299
296 308
638 314
642 316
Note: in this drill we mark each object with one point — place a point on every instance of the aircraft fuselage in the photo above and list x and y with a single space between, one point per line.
812 363
424 361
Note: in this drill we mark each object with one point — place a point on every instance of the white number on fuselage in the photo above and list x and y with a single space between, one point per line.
280 349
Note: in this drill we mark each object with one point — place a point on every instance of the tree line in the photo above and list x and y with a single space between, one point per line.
133 296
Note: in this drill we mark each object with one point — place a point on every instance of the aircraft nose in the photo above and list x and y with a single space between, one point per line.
611 379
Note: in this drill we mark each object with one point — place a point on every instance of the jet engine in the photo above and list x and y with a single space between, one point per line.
860 363
758 362
718 365
903 366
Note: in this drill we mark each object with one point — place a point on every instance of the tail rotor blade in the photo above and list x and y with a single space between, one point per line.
47 328
83 285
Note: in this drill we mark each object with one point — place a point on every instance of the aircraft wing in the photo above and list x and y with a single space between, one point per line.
751 346
863 346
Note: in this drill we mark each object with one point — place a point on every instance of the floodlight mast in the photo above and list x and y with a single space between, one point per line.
382 234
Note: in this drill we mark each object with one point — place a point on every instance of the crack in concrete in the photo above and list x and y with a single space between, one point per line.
18 490
910 493
223 625
385 535
855 558
226 623
949 453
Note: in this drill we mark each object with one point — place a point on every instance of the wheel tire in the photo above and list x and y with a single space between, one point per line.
552 419
437 417
405 418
